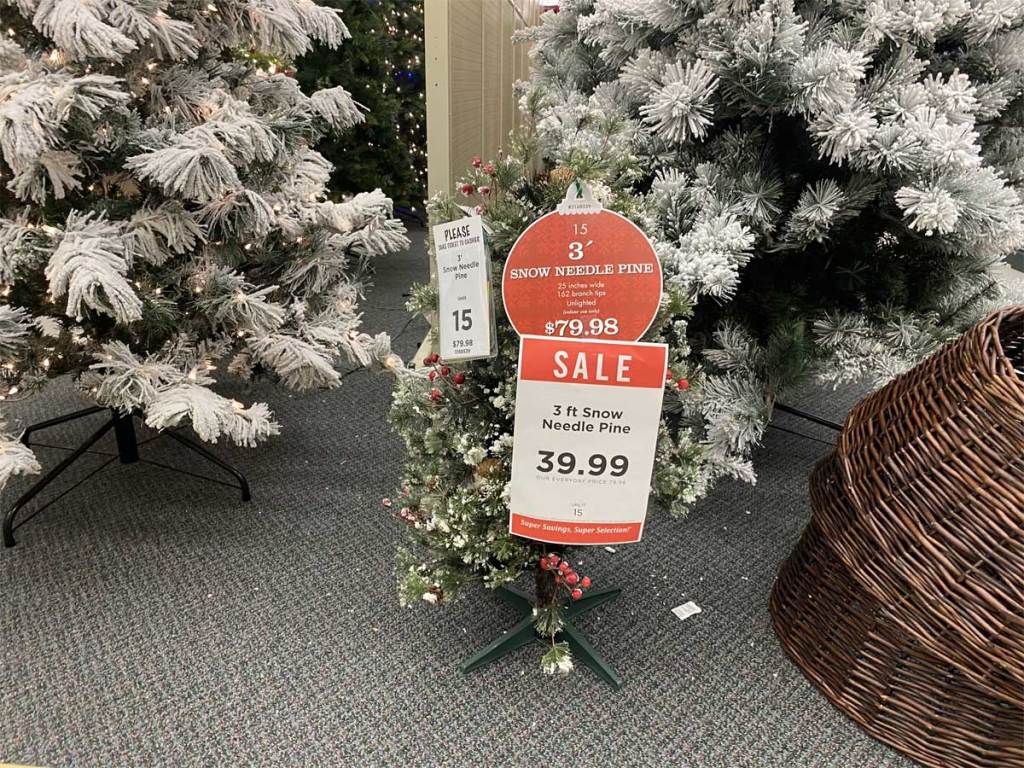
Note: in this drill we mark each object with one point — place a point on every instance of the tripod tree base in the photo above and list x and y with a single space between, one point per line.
127 453
523 633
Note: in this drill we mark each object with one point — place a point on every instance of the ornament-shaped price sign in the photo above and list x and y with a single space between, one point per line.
586 430
582 272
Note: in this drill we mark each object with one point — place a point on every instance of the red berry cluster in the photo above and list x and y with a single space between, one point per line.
489 168
681 384
408 508
444 372
468 188
407 515
565 575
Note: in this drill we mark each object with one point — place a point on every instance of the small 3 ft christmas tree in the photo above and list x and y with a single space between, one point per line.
163 216
845 175
457 420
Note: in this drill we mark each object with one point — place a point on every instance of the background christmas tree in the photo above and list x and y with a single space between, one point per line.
850 171
382 67
164 217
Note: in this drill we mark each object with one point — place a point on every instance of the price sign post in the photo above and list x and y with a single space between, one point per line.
587 416
465 308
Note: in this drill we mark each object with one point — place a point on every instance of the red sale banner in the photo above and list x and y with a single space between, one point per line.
582 272
608 364
586 430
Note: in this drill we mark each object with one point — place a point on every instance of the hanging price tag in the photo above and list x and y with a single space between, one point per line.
465 306
582 272
586 429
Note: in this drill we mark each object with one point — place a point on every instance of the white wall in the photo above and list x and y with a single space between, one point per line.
471 66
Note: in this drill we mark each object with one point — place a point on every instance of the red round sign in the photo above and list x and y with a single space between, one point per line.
582 275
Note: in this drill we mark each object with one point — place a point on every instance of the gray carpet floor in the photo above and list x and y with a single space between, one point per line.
148 619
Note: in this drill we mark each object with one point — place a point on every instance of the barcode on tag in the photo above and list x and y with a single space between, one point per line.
686 610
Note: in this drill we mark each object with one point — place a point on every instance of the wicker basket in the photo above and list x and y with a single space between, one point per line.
904 601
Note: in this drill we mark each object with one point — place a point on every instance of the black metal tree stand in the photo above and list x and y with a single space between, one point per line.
127 453
834 426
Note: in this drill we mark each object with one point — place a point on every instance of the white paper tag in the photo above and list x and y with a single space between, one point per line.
686 610
465 308
586 430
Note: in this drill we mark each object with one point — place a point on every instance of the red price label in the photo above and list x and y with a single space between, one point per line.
582 275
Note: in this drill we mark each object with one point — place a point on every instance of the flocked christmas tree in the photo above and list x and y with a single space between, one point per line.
164 216
831 184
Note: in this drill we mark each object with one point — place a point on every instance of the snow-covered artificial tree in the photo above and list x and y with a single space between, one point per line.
457 420
829 183
163 215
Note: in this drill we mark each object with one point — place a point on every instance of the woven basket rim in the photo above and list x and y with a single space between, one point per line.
995 322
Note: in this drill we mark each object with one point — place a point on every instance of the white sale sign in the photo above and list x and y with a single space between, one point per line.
586 429
465 309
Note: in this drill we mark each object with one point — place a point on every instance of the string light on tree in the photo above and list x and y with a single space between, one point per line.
383 66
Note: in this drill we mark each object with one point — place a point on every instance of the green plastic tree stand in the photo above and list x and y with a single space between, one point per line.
523 633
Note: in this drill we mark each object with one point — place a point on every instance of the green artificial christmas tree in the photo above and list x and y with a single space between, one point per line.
830 184
457 420
382 67
163 216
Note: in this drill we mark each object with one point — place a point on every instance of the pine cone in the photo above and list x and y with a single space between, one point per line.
488 467
562 176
